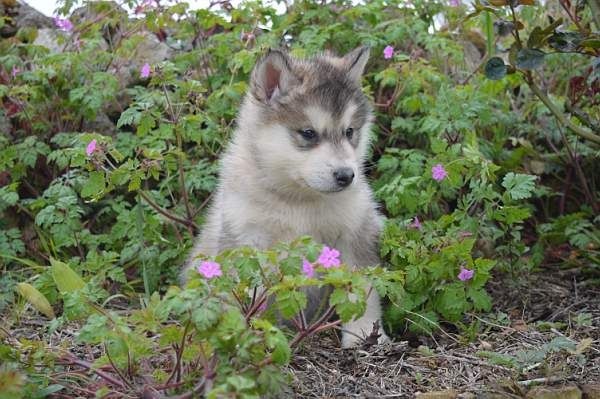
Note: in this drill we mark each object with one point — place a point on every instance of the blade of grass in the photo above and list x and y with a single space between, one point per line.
139 223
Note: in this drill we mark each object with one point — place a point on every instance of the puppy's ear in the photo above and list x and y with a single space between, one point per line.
272 77
355 62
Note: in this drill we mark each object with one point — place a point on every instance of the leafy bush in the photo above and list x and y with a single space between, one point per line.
110 157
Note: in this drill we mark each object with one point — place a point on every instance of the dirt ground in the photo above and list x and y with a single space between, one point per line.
544 332
551 325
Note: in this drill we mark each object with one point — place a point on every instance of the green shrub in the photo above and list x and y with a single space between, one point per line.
108 160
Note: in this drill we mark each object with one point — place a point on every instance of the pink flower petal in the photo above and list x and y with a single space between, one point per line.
416 223
438 172
63 24
308 269
388 52
465 274
145 71
210 269
329 257
91 147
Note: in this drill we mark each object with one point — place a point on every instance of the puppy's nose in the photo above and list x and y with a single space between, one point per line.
343 176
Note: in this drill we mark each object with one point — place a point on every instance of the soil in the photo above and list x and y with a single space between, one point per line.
554 306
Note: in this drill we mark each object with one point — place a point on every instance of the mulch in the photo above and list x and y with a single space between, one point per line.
525 317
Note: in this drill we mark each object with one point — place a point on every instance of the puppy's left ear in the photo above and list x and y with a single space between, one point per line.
355 61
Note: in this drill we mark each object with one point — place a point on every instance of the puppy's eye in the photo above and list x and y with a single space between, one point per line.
349 133
308 134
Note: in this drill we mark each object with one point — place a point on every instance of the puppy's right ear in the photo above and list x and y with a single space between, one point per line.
272 77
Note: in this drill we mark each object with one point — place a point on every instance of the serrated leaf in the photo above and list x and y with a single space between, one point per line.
275 340
207 315
511 214
94 185
65 278
344 306
499 359
518 185
481 299
583 345
530 58
289 303
36 299
495 69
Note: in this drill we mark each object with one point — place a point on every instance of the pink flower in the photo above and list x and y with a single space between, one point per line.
209 269
388 52
15 71
465 274
454 3
91 147
145 71
308 269
144 6
63 24
438 172
247 36
330 257
416 223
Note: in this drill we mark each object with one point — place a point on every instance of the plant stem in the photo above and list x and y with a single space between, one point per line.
572 156
140 229
562 119
73 360
187 223
489 33
595 9
175 121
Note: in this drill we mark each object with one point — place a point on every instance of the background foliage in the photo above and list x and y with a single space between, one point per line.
93 237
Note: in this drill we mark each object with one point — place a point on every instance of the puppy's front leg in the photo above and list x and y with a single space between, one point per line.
355 331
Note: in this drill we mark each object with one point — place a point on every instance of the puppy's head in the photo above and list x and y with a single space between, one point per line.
311 120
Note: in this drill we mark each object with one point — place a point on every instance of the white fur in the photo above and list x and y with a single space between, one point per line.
270 191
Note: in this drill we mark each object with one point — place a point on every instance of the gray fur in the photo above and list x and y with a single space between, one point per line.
275 187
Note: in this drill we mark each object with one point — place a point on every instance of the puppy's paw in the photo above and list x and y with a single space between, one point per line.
353 339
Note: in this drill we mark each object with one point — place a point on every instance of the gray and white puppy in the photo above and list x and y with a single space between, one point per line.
295 167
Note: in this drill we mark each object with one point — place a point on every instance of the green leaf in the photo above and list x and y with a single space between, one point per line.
345 306
592 41
495 69
206 314
95 329
65 278
94 185
519 186
241 383
451 303
276 341
530 58
511 214
481 299
36 299
289 303
565 41
499 359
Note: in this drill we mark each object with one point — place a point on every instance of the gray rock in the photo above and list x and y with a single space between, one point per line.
149 50
102 124
22 15
52 39
109 14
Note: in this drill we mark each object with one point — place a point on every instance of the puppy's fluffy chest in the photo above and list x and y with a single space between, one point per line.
266 220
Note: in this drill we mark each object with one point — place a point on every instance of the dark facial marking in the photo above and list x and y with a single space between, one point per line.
349 133
305 139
